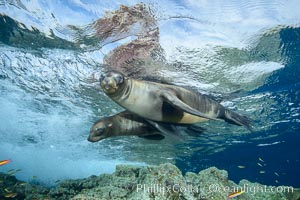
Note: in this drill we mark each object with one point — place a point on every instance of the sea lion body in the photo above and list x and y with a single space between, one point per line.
166 103
121 124
145 101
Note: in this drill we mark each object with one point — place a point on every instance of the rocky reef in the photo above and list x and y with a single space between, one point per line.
148 182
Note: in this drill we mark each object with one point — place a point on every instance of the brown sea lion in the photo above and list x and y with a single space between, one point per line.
123 124
166 103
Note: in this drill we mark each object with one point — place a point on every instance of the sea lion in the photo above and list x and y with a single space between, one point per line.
166 103
123 124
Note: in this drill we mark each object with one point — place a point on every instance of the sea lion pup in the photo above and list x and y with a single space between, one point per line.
166 103
123 124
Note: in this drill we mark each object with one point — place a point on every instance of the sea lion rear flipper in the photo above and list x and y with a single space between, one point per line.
178 104
237 119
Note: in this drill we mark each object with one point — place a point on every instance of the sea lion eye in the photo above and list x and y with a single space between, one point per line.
102 76
100 130
119 78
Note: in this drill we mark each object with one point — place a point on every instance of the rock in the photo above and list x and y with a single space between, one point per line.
164 181
140 58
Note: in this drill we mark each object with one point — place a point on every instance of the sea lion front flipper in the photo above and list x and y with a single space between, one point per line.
166 129
174 101
196 128
153 137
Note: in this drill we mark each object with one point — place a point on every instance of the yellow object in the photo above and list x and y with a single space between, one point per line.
235 194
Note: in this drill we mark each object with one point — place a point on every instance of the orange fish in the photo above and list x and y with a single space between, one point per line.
3 162
235 194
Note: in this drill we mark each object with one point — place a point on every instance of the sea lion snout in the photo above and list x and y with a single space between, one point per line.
108 84
111 81
93 139
97 132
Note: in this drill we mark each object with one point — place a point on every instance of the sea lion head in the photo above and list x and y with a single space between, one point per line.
112 82
100 130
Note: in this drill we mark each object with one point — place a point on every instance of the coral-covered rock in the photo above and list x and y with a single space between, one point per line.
164 181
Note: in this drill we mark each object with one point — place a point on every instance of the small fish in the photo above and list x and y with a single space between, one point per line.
261 159
12 173
18 170
276 173
3 162
259 164
6 190
22 183
262 172
276 181
241 166
11 195
57 181
11 170
235 194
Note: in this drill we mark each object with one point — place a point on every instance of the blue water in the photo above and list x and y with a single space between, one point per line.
282 155
245 53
